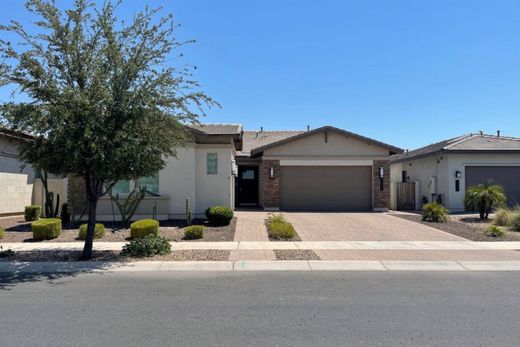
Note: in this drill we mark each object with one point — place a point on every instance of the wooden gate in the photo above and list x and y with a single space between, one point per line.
405 193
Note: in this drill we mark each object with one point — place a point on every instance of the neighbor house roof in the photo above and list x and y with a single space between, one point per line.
254 139
14 133
300 135
466 144
217 129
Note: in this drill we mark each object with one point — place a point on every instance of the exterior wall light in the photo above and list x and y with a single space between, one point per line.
381 172
381 178
458 174
271 172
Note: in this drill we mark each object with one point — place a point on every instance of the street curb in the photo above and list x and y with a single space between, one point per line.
241 265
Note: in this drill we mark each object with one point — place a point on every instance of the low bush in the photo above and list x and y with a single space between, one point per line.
494 231
46 229
434 212
6 253
147 246
194 232
99 231
32 212
144 227
219 215
502 217
276 218
278 227
514 221
2 233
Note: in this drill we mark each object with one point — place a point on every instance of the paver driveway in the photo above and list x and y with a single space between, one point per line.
351 226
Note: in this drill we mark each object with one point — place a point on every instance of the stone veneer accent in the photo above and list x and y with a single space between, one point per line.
270 188
381 197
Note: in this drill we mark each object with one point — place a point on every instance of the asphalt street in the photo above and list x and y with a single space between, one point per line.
261 309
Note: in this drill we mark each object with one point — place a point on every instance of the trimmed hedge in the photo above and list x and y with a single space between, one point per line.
32 213
219 215
46 229
2 233
144 227
99 231
194 232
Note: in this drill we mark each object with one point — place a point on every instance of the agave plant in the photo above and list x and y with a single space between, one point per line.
484 198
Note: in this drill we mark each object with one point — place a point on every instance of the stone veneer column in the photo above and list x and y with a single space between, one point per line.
270 188
381 197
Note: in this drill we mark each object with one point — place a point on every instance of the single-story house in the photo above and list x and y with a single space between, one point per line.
442 171
325 169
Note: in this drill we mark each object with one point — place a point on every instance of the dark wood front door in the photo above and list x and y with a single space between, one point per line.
247 185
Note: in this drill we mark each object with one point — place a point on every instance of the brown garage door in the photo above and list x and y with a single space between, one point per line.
507 176
326 188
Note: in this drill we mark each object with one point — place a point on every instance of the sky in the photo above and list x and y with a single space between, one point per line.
408 73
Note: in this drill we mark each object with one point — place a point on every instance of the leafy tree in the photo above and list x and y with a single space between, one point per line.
484 197
102 100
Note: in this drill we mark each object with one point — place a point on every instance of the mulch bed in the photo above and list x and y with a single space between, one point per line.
295 254
18 230
469 227
178 255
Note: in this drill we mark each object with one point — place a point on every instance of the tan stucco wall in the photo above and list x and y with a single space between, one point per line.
15 193
108 211
337 145
9 161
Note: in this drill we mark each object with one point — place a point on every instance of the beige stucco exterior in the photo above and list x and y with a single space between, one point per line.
444 166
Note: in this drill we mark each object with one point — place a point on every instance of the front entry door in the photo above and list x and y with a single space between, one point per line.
247 185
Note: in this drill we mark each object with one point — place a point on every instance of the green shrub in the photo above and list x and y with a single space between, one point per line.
494 231
484 198
276 218
502 217
46 229
6 253
434 212
281 230
219 215
144 227
32 212
147 246
2 233
194 232
99 231
514 222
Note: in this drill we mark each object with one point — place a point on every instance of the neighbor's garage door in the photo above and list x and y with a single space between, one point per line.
507 176
326 188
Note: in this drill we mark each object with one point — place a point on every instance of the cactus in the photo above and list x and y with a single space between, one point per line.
50 211
189 214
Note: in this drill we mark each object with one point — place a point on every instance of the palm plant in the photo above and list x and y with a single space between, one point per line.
484 198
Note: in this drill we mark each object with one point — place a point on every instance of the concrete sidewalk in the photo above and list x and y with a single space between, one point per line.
148 266
269 245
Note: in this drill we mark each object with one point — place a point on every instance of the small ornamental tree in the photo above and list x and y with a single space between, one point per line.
484 198
102 100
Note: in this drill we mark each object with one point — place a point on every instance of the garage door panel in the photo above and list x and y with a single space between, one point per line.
321 188
507 176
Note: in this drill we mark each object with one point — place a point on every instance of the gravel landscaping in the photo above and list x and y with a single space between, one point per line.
180 255
18 230
295 254
467 226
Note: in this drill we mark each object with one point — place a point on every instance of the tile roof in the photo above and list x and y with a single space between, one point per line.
468 142
255 139
217 129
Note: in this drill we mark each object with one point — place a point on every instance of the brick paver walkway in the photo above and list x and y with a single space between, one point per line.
251 227
349 226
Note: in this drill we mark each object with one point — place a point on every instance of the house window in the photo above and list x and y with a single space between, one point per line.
404 176
457 185
121 187
212 163
150 182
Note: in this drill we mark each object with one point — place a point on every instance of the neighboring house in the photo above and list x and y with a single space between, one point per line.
325 169
445 169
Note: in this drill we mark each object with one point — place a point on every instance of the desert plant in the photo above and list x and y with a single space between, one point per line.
189 212
46 229
65 213
434 212
194 232
280 230
514 221
502 217
484 198
144 227
128 207
99 231
276 218
219 215
32 212
2 233
147 246
494 231
51 209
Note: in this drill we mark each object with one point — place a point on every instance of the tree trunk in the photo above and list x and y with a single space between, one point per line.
92 198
